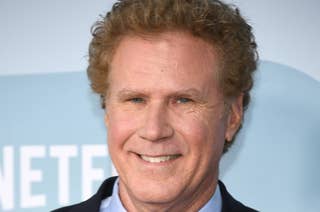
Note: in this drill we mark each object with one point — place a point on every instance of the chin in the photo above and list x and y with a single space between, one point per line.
156 191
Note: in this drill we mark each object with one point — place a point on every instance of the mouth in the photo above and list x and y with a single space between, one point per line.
159 159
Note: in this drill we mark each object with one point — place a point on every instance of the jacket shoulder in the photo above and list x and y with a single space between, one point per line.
93 203
229 204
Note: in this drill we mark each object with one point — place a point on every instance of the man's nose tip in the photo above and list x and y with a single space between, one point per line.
156 133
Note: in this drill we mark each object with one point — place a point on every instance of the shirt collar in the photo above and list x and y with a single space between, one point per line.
113 203
215 203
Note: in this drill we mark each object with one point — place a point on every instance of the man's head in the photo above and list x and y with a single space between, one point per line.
175 77
218 24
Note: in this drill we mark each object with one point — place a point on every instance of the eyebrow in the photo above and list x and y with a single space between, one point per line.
190 91
185 92
128 92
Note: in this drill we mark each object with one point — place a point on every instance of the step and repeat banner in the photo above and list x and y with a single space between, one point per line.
53 148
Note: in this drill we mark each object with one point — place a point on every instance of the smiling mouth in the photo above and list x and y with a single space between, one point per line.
158 159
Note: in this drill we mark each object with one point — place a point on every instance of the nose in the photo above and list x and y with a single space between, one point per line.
155 126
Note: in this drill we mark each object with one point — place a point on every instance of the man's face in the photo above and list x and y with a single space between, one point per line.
165 118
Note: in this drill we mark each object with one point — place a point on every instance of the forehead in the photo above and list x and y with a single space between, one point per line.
175 45
170 56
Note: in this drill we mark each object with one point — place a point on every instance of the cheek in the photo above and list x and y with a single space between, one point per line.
202 133
120 127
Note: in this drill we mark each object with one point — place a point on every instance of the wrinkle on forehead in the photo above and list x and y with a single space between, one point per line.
164 42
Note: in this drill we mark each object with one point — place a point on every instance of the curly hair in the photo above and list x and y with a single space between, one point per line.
219 24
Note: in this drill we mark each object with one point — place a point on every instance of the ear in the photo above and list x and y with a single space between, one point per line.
234 119
106 118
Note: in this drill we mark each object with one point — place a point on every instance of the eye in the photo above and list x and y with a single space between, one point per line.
136 100
183 100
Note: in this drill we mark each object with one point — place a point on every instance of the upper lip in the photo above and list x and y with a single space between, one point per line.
158 155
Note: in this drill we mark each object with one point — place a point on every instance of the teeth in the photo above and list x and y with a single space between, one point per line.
158 159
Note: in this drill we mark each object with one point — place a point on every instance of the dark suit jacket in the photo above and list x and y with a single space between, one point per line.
229 204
